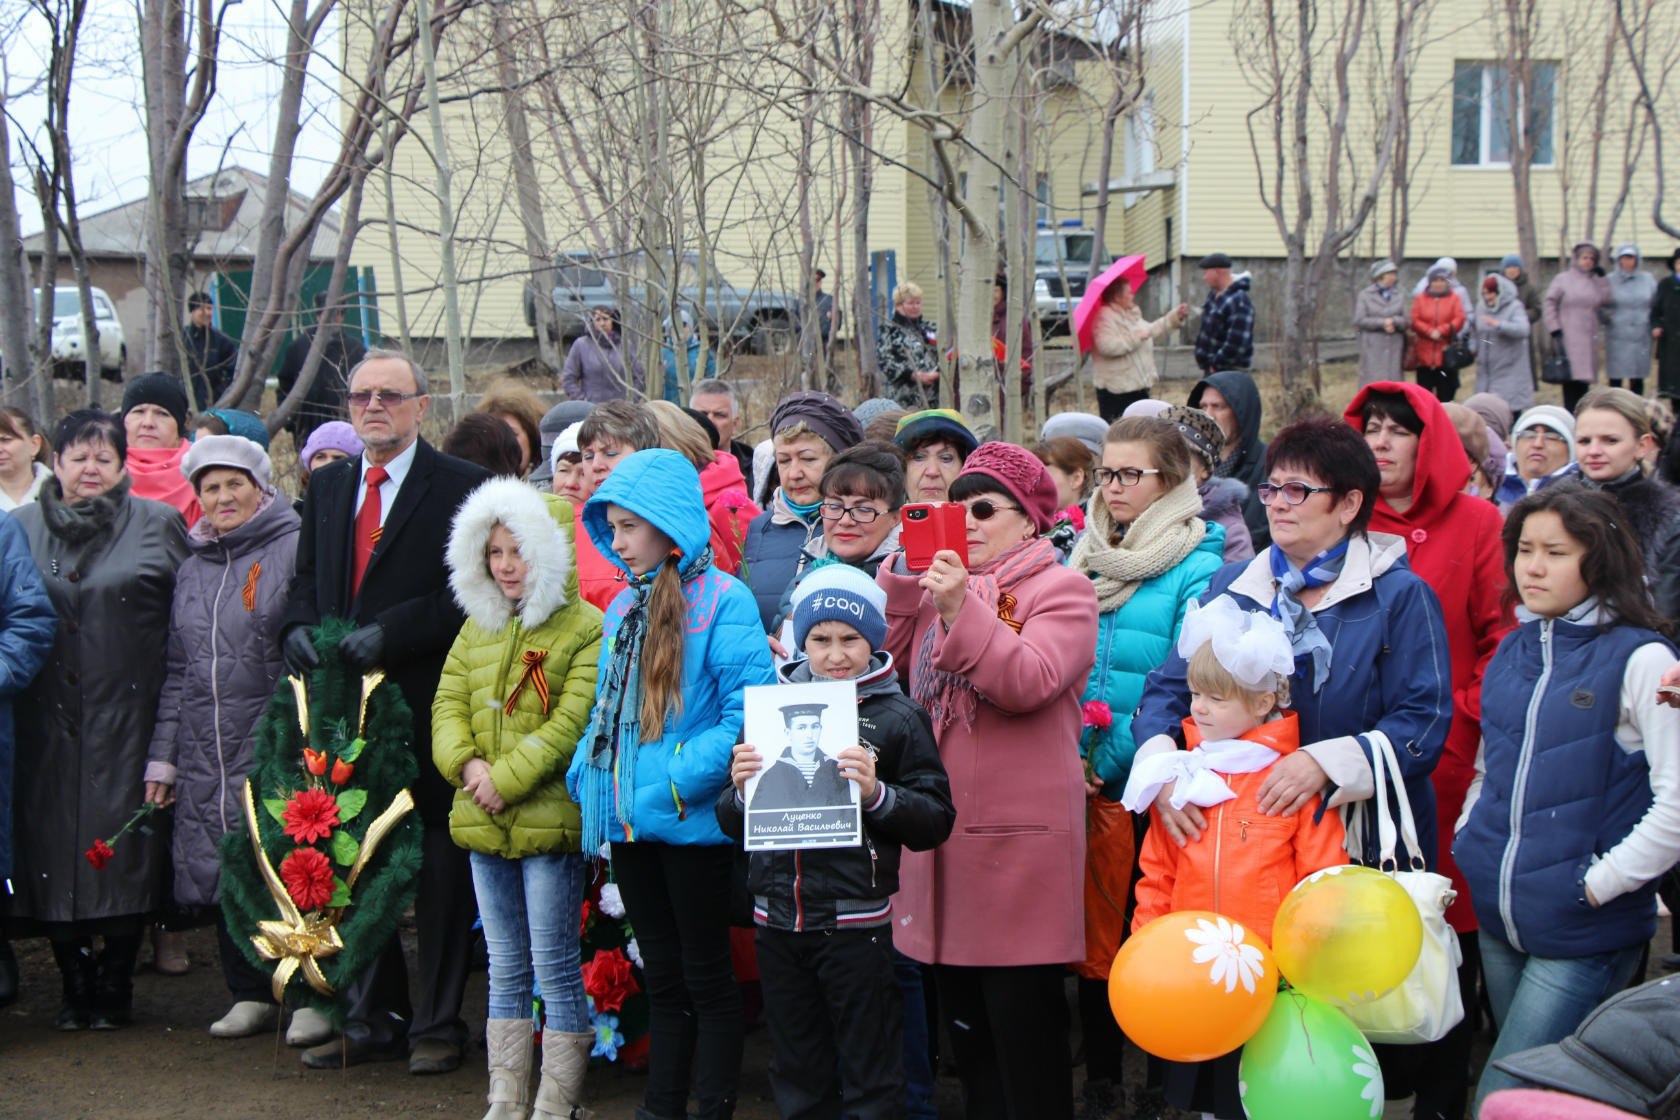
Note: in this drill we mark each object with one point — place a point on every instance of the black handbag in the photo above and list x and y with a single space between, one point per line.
1456 357
1555 370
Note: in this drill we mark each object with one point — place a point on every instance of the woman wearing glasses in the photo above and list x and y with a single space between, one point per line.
1147 552
1542 451
998 648
1371 651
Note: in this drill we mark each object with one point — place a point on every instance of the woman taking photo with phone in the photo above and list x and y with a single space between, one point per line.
996 909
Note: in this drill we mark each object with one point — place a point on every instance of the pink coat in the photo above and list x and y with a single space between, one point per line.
1007 888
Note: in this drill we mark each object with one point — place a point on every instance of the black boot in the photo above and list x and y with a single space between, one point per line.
75 969
113 983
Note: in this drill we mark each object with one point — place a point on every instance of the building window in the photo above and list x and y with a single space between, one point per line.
1486 106
1137 139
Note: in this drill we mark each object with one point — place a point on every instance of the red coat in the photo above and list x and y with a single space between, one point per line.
1431 312
599 579
729 509
1453 544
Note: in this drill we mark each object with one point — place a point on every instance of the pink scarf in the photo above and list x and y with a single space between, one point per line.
946 695
156 472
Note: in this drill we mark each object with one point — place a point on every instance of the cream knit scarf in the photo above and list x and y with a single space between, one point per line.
1162 536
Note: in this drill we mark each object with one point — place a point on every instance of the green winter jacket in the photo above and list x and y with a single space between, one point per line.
529 748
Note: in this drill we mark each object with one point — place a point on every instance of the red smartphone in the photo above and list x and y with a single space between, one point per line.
927 527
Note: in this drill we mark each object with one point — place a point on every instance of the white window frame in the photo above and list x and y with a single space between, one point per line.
1137 146
1485 122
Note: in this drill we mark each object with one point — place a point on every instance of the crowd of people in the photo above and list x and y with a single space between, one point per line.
1153 676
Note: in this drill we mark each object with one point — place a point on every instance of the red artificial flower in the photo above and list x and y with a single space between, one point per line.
1094 713
310 815
308 878
315 761
99 855
609 979
341 772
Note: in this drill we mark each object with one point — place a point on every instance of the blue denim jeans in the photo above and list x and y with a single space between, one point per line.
1540 1000
530 909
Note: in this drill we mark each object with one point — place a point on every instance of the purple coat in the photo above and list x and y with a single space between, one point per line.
1572 306
223 662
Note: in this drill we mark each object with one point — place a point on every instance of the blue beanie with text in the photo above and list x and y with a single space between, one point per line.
839 591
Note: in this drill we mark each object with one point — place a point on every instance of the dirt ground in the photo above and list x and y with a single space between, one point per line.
166 1065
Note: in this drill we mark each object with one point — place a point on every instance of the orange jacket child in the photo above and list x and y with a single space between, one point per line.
1245 861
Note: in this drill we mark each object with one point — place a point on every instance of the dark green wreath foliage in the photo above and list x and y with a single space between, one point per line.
384 767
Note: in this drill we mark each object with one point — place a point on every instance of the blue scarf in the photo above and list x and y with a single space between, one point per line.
1305 638
804 511
607 785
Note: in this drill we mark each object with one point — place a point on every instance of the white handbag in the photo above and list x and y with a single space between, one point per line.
1427 1004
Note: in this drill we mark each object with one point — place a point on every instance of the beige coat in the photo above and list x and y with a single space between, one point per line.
1120 361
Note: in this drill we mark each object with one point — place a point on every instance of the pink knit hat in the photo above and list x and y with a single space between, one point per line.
1021 476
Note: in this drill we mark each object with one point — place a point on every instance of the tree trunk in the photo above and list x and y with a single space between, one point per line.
990 127
446 214
529 193
27 384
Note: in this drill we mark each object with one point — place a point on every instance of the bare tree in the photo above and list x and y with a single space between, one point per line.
179 50
1302 148
1650 71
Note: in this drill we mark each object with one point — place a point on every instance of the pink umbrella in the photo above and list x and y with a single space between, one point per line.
1129 269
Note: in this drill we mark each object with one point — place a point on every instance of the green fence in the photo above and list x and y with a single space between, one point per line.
232 294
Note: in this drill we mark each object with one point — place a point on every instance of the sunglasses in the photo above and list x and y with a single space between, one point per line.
361 398
986 509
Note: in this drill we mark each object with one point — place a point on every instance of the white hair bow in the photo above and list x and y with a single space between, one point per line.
1251 645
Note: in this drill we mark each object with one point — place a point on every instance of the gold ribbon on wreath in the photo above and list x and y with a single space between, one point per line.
298 940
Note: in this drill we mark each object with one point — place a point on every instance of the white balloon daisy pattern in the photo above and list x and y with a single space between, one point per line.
1234 961
1365 1065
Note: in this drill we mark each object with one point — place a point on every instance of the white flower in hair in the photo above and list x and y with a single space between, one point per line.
1251 645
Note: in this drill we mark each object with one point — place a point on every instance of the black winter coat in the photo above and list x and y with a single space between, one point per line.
831 888
1653 511
405 589
1665 316
109 564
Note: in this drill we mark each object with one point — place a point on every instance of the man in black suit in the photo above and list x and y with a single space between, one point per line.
372 551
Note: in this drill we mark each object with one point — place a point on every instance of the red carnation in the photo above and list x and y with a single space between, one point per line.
609 979
310 815
99 855
308 878
1094 713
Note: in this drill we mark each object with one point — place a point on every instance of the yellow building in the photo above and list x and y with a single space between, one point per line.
740 130
1193 143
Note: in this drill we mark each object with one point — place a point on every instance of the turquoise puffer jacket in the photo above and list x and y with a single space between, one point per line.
678 775
1131 642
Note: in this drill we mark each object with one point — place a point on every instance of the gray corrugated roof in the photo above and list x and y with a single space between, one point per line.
121 231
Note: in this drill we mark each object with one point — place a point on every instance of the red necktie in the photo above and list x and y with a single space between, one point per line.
367 526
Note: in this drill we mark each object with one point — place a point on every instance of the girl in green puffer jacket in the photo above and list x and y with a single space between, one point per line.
513 700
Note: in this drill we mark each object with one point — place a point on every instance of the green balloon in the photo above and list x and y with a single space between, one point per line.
1309 1062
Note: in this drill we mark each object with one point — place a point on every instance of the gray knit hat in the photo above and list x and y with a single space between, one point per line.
1082 426
1383 268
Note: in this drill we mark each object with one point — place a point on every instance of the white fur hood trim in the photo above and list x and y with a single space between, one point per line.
541 524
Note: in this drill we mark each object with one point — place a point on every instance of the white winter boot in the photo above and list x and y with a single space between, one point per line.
565 1060
509 1042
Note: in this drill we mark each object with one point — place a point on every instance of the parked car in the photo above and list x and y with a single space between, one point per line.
68 358
766 321
1062 263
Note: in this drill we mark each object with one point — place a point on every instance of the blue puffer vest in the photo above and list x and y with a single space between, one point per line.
1559 790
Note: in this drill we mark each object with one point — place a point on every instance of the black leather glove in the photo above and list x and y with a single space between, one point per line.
363 647
298 650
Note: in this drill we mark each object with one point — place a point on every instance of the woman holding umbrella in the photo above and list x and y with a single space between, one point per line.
1121 341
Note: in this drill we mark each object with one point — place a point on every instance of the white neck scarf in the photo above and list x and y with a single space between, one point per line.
1196 772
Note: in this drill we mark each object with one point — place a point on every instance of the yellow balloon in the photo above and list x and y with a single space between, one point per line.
1347 935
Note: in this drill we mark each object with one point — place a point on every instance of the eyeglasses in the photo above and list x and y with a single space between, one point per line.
862 515
1292 492
1126 476
1528 435
385 398
986 509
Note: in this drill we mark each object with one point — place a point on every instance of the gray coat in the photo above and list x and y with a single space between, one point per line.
224 660
109 564
1627 331
1572 304
1502 353
1380 353
598 368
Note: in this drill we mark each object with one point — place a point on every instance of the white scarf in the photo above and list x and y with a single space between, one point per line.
1196 772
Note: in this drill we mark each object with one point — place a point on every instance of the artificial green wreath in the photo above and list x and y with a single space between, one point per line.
334 816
